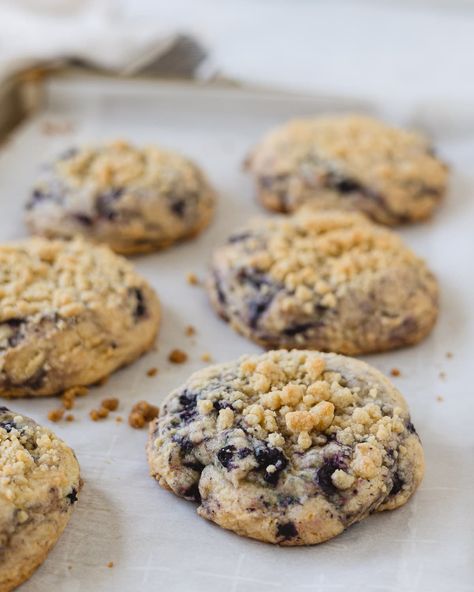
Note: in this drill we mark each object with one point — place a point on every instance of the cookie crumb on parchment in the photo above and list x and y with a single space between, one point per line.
97 414
440 399
110 564
141 414
111 403
190 331
177 356
152 372
55 414
395 372
206 357
192 279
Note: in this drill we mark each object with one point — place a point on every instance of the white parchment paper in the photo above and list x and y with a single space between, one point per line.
155 540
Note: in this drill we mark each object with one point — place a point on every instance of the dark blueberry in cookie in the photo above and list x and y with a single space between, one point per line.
105 203
323 477
35 381
225 456
84 219
192 493
72 496
218 405
411 427
299 328
7 425
187 399
140 310
343 184
397 485
244 452
287 530
266 456
257 307
184 443
178 207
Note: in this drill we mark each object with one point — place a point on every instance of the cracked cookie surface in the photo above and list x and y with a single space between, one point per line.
349 162
39 484
135 200
70 314
288 447
324 280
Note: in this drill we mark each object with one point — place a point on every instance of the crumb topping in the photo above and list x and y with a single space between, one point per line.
296 402
377 155
40 278
31 455
315 253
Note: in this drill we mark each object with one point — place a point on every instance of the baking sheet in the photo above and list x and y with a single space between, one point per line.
156 540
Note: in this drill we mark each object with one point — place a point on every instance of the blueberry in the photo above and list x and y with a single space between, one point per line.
411 427
219 290
218 405
36 381
72 496
187 399
183 442
244 452
195 466
105 202
256 308
8 425
178 207
192 492
397 484
266 456
83 219
347 186
287 530
140 310
226 455
323 477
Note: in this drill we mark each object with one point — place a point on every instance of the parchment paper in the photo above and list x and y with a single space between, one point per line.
155 540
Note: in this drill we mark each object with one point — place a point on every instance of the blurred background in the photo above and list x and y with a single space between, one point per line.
378 49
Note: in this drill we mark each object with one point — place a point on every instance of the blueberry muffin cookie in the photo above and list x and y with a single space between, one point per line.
325 280
349 162
287 447
70 314
39 484
135 200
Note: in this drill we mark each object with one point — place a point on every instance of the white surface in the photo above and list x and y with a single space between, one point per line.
408 50
156 540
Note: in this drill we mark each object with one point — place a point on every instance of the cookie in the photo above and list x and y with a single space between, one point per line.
288 447
326 280
39 485
349 162
70 314
135 200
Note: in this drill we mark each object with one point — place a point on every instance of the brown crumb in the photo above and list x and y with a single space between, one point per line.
442 375
152 372
55 414
449 354
177 356
206 357
142 413
68 397
69 417
110 404
439 398
136 420
192 279
395 372
97 414
119 419
110 564
190 331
